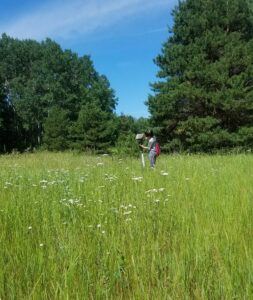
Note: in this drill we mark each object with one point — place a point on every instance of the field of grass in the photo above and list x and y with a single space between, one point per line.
83 227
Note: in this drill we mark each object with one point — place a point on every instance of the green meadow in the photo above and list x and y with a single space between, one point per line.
100 227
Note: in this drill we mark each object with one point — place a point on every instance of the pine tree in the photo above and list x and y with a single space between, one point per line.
2 112
56 130
205 98
94 130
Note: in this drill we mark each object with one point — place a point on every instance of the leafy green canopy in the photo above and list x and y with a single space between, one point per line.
45 93
204 98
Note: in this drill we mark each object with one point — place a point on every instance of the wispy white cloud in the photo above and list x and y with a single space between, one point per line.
76 17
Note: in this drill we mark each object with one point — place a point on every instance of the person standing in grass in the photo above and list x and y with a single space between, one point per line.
151 148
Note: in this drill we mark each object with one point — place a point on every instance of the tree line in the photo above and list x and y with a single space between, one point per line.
202 100
54 99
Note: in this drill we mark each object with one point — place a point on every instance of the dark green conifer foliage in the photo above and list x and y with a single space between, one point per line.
204 98
56 129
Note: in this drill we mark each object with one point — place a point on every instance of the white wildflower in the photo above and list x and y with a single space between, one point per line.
164 173
155 190
127 212
43 181
52 182
137 178
151 191
111 177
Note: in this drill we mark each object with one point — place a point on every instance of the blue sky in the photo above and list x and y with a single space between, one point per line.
121 36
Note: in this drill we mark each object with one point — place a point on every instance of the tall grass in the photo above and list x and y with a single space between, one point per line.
83 227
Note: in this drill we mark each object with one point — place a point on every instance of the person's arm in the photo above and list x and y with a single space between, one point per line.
144 147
